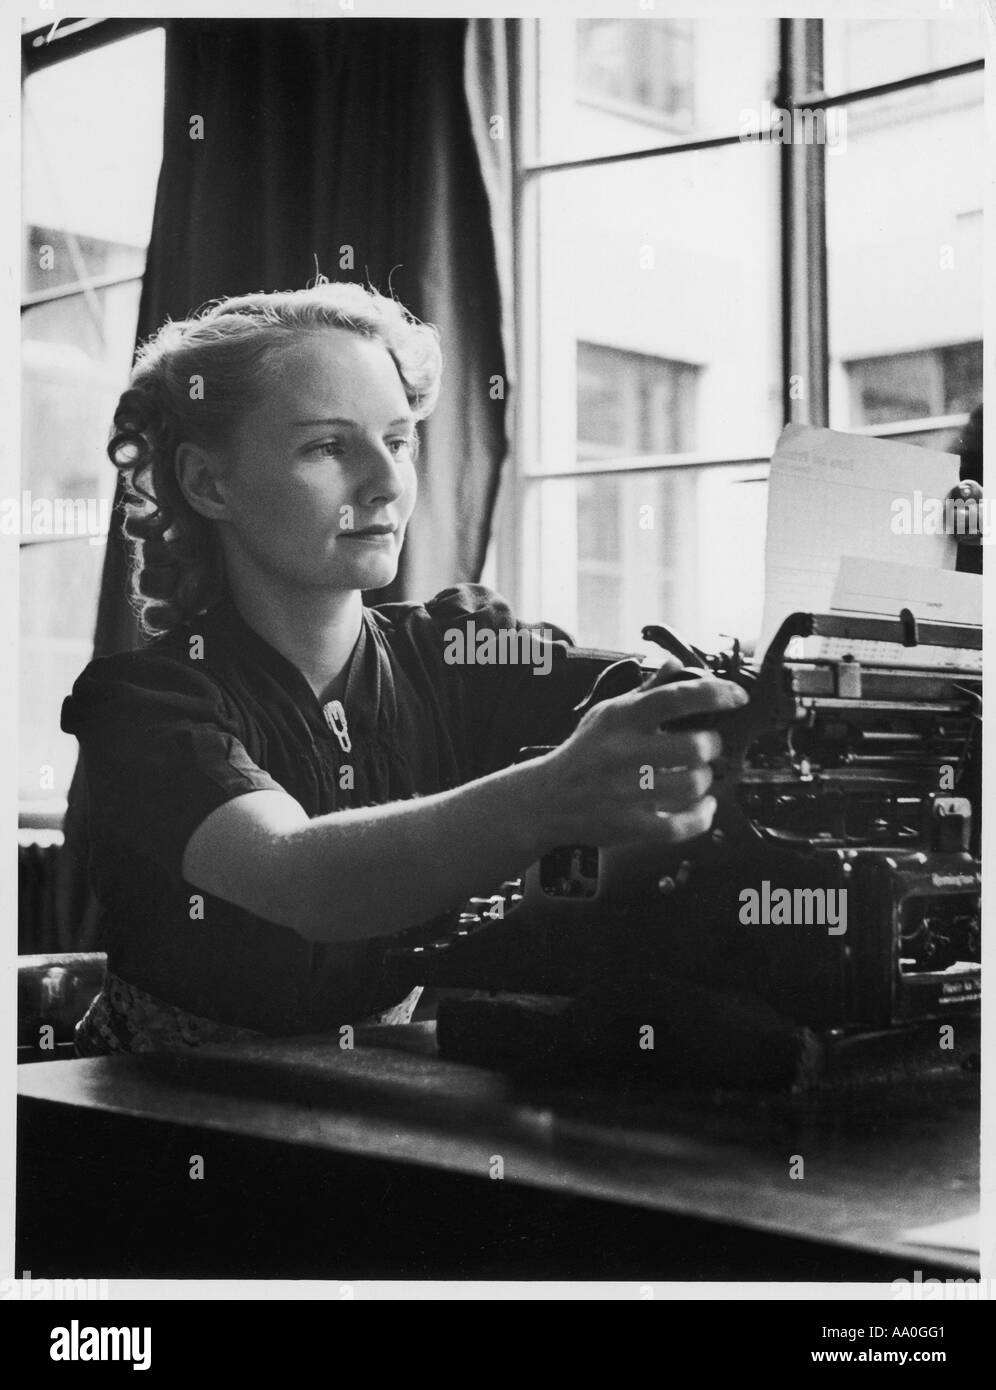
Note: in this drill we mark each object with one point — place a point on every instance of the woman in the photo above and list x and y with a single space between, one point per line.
282 778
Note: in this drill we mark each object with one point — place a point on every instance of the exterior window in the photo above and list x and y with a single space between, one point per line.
643 68
87 221
629 403
916 385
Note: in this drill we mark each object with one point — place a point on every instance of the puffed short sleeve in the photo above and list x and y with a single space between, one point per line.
517 692
161 749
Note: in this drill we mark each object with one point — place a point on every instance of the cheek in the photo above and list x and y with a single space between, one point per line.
256 488
293 498
411 488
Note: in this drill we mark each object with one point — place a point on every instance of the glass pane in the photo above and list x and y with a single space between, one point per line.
905 256
59 585
659 308
74 359
92 143
89 189
613 85
617 552
863 52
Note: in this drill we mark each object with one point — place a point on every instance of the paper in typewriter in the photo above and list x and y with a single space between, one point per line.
831 499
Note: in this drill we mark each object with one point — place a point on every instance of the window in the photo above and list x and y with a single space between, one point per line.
598 87
904 227
644 73
654 243
92 148
630 403
613 576
916 385
655 326
863 52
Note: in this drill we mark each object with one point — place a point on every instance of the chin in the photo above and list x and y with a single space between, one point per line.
375 574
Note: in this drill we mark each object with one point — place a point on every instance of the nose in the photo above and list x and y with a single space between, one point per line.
383 476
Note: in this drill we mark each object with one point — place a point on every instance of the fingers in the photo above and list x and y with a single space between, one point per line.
667 670
677 791
685 825
664 704
622 740
693 749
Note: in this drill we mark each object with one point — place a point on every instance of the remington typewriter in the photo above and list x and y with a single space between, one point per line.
828 925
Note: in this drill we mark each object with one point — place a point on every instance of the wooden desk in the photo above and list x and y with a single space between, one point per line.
378 1162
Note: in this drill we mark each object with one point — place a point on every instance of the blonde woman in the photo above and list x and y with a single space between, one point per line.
283 778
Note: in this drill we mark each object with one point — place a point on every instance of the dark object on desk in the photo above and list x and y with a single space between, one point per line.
53 992
830 916
737 1045
747 1045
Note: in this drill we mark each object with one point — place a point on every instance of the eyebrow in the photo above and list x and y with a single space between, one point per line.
351 424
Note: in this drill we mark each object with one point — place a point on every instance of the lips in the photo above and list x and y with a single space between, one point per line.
369 533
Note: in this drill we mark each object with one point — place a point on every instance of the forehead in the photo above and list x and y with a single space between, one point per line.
331 371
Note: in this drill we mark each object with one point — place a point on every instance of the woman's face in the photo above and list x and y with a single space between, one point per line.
320 482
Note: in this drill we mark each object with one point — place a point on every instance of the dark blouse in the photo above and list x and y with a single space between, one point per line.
212 711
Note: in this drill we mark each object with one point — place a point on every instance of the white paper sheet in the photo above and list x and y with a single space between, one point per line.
880 588
833 494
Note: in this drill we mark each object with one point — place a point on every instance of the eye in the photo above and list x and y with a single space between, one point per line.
398 446
328 448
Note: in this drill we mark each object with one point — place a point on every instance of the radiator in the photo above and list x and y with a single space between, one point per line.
55 909
37 910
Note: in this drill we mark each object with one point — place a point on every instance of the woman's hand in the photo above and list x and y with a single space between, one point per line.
622 777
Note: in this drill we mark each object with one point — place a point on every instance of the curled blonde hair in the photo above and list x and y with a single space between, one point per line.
232 346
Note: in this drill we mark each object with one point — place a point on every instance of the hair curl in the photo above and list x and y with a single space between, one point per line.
232 345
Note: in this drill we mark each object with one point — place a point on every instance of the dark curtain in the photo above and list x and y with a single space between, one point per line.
319 136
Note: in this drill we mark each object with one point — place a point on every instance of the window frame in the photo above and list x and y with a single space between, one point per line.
802 217
41 48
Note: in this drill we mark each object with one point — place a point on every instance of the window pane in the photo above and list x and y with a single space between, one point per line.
864 52
618 552
905 256
89 188
630 403
92 147
75 357
59 584
659 308
915 385
612 85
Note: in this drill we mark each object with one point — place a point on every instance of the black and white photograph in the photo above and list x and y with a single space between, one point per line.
493 548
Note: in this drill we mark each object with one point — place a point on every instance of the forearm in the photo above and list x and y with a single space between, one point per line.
374 871
371 872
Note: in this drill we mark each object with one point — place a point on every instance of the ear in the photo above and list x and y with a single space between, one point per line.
198 473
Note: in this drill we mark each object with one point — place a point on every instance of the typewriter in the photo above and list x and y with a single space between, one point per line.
828 925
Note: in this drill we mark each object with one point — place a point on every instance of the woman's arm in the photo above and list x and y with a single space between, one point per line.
371 872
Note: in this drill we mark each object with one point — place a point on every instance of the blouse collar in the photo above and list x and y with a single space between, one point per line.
369 676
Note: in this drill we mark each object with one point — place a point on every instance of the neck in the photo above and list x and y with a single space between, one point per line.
314 629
